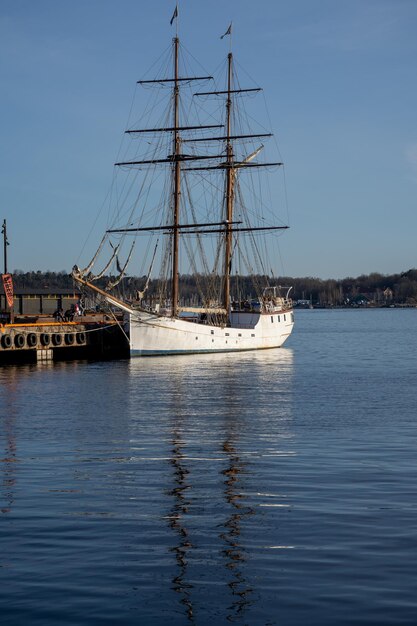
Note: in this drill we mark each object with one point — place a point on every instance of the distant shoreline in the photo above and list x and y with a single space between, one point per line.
372 290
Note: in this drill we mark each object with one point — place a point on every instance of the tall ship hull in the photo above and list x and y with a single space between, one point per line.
192 218
152 335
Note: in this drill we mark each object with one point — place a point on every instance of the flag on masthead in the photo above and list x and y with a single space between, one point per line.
228 32
174 15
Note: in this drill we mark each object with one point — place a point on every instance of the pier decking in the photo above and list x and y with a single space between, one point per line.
41 338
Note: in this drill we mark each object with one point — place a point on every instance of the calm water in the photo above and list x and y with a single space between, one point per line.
263 488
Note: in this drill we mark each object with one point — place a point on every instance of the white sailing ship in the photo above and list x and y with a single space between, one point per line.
212 237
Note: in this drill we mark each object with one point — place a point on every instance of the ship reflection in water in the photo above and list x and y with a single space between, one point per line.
248 488
221 435
177 521
234 551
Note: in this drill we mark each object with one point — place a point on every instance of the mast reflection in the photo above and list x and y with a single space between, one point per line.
177 521
209 438
234 550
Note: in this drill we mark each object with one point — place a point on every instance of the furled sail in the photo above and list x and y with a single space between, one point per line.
87 269
104 270
122 270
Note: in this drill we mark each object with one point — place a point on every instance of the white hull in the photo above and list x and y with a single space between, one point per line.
152 335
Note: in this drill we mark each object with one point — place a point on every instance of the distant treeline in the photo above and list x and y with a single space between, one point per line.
376 289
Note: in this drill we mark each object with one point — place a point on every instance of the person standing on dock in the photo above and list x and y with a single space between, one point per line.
59 314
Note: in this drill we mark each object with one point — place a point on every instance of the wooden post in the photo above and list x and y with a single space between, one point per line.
5 244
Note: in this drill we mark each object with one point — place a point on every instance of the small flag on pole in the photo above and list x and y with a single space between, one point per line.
174 15
228 32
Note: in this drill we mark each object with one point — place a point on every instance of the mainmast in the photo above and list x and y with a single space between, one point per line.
230 165
177 185
230 172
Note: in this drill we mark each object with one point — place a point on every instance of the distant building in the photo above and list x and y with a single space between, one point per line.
388 294
40 301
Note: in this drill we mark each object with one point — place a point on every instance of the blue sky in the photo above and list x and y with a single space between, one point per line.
340 79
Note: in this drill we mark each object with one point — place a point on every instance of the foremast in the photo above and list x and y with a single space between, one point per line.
175 158
229 188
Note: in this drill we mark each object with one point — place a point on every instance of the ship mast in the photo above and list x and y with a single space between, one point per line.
177 185
175 160
229 187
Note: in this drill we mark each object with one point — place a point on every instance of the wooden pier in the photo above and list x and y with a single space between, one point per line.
50 325
41 338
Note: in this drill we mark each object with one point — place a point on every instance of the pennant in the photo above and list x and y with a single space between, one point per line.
8 289
228 32
174 15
